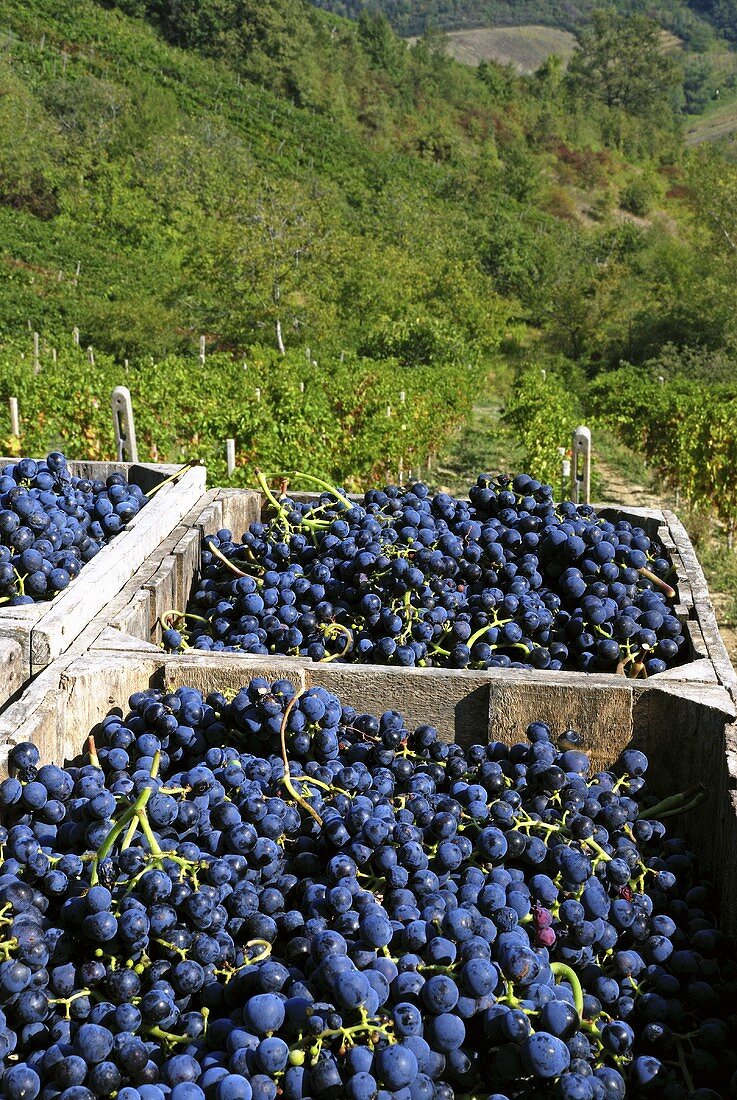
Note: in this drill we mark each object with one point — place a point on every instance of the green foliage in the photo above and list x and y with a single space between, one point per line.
691 20
722 13
274 177
341 416
638 196
543 410
684 427
620 62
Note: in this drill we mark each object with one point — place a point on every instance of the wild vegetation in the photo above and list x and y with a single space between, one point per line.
303 190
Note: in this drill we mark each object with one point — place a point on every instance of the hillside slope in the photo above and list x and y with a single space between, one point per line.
314 182
525 48
283 178
692 20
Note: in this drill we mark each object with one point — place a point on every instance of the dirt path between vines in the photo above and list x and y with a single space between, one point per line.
617 490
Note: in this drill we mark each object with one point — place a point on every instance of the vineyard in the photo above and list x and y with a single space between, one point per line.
684 428
356 419
344 416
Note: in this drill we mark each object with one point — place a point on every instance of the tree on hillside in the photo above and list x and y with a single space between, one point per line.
264 258
620 62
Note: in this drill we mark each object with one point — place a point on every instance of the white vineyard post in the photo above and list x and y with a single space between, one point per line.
581 450
14 417
36 353
230 449
202 351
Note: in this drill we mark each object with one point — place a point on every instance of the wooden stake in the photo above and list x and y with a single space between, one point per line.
230 448
36 353
202 351
14 418
123 425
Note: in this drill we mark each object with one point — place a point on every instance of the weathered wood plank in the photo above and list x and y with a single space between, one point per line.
11 669
703 607
228 674
105 575
601 714
45 630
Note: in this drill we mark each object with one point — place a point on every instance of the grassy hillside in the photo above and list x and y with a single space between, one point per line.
339 188
695 21
524 48
277 179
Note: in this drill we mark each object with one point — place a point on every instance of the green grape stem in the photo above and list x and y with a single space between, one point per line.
221 557
315 481
675 803
560 970
287 779
174 477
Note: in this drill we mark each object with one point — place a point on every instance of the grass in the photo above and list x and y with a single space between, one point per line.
483 445
525 48
718 122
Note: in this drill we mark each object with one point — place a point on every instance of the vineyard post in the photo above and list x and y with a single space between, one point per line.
402 401
202 351
75 335
565 471
125 430
36 353
257 393
91 355
53 355
581 449
14 418
230 449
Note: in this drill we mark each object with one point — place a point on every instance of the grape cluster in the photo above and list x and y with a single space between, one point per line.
505 579
51 524
276 896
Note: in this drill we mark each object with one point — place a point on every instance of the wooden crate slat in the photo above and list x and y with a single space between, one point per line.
45 630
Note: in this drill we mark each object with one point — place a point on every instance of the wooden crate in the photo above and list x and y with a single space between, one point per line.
687 728
46 629
164 583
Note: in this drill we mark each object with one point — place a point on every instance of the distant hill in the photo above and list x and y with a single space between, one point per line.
524 48
693 22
